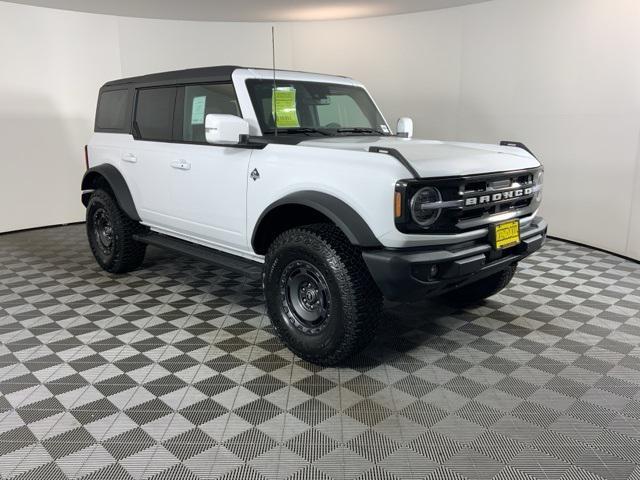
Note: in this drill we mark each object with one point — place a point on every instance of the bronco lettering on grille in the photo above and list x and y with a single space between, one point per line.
498 197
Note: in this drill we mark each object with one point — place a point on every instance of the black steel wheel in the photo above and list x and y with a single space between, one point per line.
306 298
320 296
103 231
110 233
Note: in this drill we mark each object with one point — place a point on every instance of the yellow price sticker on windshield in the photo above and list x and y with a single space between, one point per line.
284 107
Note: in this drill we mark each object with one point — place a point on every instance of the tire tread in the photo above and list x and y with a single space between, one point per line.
362 301
129 253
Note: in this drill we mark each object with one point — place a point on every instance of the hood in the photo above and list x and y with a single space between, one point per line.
431 158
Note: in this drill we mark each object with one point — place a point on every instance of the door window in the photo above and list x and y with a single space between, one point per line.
154 114
201 100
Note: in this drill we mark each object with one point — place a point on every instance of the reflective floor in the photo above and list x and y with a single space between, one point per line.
174 372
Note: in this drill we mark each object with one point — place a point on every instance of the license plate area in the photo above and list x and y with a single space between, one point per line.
505 235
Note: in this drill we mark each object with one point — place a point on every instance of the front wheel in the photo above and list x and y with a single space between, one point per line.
320 296
482 289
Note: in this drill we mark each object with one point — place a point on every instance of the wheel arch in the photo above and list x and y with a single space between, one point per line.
109 176
305 207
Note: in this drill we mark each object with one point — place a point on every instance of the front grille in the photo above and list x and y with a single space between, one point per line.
474 201
495 186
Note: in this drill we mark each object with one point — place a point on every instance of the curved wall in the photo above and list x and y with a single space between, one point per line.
563 77
51 64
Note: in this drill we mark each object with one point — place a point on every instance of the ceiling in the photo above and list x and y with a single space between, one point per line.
249 10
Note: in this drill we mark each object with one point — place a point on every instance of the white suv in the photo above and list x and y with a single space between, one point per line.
297 177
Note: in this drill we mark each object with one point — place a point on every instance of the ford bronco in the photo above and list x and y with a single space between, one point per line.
297 177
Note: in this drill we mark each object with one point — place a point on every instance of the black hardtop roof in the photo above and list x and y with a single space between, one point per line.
210 74
220 73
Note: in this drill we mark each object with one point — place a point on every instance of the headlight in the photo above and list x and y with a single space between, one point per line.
425 206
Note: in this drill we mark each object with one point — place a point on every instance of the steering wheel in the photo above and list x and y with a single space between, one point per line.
333 125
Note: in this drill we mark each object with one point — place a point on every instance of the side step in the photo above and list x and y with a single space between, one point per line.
236 264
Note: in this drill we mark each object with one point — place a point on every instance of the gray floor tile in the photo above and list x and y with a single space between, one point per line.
173 371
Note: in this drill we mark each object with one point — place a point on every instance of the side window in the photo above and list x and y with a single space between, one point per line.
112 110
201 100
154 113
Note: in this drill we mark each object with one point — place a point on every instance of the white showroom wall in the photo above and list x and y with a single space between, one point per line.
52 62
563 77
158 45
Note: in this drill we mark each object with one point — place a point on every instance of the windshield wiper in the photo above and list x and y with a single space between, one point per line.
321 131
361 130
294 130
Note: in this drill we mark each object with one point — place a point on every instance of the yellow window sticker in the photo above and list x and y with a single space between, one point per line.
284 107
197 110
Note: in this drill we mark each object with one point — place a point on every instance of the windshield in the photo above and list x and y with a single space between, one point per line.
315 108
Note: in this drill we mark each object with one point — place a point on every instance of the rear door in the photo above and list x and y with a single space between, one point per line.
146 159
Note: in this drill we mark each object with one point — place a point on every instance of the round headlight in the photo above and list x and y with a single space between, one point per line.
424 206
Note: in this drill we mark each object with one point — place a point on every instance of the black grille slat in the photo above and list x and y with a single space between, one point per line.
495 185
498 184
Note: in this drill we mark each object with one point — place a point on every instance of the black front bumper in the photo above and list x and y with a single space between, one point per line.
407 274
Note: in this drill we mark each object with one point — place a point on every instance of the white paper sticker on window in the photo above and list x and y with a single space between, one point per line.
197 110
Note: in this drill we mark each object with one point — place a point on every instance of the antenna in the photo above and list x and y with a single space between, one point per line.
273 94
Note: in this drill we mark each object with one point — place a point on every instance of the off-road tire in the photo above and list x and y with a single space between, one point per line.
125 253
477 291
355 306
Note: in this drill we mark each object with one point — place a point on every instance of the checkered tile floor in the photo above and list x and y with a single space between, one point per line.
173 372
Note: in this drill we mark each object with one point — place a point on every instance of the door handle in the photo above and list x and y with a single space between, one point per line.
129 157
181 165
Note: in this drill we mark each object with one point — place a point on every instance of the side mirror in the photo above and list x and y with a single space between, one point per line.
405 127
220 128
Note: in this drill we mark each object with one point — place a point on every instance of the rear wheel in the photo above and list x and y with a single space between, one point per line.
110 232
320 296
482 289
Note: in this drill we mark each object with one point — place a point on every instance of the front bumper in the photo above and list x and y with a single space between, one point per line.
407 274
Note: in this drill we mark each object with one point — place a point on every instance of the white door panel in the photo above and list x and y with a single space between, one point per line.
208 187
146 168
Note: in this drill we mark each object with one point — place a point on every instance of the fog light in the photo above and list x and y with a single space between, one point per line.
433 271
425 272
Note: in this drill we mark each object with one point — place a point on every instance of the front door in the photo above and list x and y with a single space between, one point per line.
208 182
209 189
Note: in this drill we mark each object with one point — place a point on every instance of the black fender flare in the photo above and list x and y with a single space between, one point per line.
116 182
336 210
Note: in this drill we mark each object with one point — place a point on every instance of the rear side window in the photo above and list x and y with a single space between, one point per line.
154 113
201 100
112 110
